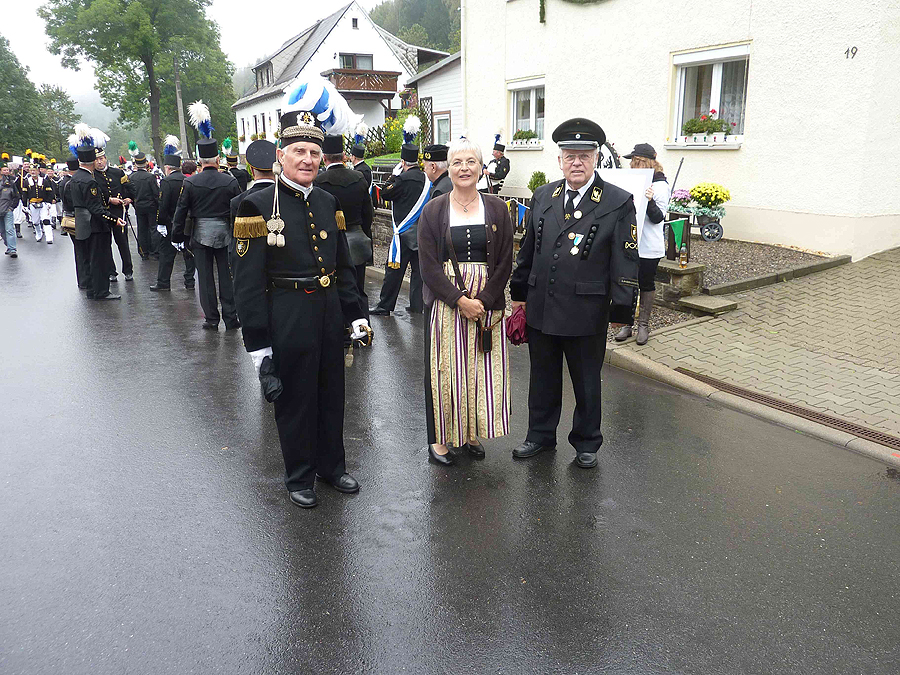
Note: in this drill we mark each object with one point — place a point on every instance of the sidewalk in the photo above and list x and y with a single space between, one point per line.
828 341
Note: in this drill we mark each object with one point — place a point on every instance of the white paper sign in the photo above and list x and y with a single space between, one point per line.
17 160
635 181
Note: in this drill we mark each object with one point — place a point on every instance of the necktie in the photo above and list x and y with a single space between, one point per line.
570 204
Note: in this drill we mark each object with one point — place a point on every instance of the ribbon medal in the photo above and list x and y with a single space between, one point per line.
576 241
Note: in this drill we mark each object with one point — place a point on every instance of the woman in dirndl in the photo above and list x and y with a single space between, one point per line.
465 256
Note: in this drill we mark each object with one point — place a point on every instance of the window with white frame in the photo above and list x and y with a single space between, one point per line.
713 79
442 128
527 107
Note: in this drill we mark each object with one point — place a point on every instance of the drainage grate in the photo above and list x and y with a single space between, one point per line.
799 411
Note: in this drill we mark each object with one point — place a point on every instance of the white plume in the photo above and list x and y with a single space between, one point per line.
320 97
198 112
412 125
72 140
99 137
172 140
361 129
82 131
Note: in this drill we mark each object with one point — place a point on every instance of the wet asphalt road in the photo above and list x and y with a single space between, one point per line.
146 528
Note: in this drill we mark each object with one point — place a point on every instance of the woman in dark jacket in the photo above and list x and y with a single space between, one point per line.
466 359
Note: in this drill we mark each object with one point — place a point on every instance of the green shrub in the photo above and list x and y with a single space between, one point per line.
524 135
537 179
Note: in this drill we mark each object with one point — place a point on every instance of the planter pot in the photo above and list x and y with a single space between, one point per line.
695 139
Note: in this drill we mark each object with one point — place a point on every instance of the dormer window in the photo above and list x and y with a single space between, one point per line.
356 24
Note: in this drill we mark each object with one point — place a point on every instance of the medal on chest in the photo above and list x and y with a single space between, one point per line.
576 240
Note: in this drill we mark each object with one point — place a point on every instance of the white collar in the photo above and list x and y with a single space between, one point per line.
304 190
582 190
260 181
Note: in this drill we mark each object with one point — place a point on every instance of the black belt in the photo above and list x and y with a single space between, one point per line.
302 283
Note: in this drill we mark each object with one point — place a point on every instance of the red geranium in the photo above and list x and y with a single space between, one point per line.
702 117
712 112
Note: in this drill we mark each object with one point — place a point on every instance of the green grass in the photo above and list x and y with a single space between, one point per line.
391 159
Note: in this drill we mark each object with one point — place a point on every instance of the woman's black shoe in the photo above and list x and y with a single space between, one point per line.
476 450
446 460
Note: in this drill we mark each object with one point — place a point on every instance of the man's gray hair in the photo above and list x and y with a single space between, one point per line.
443 165
464 145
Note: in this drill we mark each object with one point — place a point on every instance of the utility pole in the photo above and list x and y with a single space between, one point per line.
185 148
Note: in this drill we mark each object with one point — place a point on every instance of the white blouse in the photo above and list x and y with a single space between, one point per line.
473 217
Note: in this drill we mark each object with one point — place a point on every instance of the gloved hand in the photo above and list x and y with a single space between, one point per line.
265 369
178 238
162 230
179 246
258 357
357 332
398 169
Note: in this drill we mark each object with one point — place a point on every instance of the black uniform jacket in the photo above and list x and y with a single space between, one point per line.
56 184
169 189
38 190
441 186
366 171
349 188
145 190
114 183
236 201
572 292
502 170
403 192
91 213
243 177
313 248
206 194
65 197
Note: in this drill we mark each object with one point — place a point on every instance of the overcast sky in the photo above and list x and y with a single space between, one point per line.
246 35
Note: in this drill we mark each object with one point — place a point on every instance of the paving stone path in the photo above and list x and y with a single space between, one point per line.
829 341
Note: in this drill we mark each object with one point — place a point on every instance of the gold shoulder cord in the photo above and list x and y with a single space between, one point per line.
275 224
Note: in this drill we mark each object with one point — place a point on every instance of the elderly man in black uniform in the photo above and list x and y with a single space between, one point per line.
79 245
145 190
498 168
436 168
93 222
169 191
207 197
242 176
116 192
408 191
358 153
577 271
295 291
351 191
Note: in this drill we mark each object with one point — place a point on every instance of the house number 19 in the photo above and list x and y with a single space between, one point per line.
851 53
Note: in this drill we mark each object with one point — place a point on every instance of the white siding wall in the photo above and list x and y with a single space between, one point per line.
445 89
343 39
813 170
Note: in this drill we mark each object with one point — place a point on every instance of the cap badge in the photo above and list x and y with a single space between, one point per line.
577 136
306 117
427 155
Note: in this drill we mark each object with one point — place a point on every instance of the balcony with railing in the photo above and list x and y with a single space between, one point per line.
371 84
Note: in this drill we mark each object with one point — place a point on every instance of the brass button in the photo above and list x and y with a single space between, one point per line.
310 214
315 248
315 237
320 259
312 226
323 270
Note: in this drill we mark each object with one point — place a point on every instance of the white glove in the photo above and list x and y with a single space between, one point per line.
258 357
179 246
162 230
398 169
357 332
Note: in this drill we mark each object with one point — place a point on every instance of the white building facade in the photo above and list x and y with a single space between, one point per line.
442 83
805 89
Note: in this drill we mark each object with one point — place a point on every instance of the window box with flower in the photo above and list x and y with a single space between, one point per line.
526 139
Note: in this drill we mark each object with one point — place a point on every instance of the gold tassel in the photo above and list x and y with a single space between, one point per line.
339 217
394 266
246 227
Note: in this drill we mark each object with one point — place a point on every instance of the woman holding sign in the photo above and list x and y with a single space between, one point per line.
652 245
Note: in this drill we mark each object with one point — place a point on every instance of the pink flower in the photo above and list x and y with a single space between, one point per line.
702 117
712 112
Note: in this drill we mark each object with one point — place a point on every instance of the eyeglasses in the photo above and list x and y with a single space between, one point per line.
469 163
583 157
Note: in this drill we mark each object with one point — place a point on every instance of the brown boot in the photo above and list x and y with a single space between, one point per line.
623 334
643 321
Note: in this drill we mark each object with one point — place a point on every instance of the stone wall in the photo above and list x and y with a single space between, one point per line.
381 227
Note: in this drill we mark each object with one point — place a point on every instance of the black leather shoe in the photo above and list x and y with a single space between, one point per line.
109 296
209 325
410 310
530 449
157 287
378 311
305 499
113 278
346 483
189 287
233 326
446 460
586 460
476 450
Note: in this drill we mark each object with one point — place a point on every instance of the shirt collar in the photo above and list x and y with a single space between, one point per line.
261 181
583 189
296 186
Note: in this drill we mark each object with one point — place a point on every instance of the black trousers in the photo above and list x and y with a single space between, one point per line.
393 279
100 256
647 274
148 237
167 255
82 261
584 356
120 236
208 259
307 332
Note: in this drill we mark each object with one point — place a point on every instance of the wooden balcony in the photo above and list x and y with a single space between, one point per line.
370 84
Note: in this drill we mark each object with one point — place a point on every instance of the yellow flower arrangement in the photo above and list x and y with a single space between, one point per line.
710 194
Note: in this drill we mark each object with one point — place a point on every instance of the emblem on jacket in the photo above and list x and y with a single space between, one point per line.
596 193
241 246
633 232
94 191
557 191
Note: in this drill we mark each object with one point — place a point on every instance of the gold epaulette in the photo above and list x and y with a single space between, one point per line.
246 227
341 222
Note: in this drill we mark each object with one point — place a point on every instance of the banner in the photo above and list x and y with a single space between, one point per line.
635 181
678 230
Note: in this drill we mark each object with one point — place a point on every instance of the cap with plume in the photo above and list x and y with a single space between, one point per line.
83 136
132 148
72 142
4 156
227 147
359 134
170 145
319 96
28 152
496 138
410 128
198 113
99 137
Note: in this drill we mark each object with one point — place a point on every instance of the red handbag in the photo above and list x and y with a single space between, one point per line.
516 327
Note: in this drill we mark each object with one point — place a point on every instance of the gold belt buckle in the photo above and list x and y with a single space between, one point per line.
325 281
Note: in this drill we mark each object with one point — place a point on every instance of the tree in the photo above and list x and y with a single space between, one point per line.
129 42
21 117
60 119
414 35
437 19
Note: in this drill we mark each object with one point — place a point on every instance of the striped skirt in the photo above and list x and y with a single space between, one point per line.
467 390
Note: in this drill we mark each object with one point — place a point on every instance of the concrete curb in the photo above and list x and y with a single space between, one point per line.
377 274
782 275
641 365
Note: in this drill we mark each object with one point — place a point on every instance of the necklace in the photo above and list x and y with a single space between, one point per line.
465 207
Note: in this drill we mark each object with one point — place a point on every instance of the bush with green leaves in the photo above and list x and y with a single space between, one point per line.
524 135
537 179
